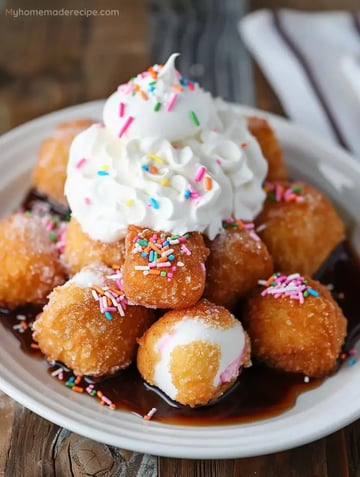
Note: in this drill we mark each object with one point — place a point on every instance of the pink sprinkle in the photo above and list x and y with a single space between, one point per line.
254 236
170 274
121 109
106 400
163 264
185 249
200 174
171 102
128 88
191 86
80 163
177 74
202 266
87 200
127 123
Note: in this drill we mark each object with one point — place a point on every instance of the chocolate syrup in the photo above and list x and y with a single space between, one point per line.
259 392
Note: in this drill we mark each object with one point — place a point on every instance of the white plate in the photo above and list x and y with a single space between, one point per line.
317 413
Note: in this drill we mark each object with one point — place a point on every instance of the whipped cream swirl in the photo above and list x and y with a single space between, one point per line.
185 165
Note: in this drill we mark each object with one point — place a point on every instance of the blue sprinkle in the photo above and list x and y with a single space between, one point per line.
71 379
145 167
144 254
352 361
154 203
171 257
151 256
313 292
102 173
108 315
187 194
165 244
183 81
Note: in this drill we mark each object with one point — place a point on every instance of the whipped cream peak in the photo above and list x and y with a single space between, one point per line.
159 102
183 166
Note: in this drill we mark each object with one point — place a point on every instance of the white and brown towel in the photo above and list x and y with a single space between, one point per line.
312 61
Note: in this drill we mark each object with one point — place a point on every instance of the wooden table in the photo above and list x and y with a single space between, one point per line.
47 63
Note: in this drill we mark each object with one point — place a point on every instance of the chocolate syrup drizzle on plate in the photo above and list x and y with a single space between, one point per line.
259 392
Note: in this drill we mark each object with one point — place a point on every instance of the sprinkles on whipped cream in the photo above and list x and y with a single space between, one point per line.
149 92
293 286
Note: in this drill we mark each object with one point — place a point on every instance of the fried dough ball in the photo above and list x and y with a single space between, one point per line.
72 329
296 337
30 267
270 147
299 226
81 250
195 354
162 271
237 260
49 173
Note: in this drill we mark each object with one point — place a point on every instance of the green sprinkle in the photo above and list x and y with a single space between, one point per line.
297 189
162 274
143 243
157 106
52 236
194 118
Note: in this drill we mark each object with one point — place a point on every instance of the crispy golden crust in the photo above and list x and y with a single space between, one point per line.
300 236
270 146
71 329
235 264
186 285
301 338
193 366
80 250
30 267
49 173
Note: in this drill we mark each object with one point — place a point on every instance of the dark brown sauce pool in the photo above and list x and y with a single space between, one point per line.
259 392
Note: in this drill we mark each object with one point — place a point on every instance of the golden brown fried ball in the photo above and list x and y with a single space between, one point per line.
160 272
49 173
270 146
300 338
30 267
195 354
237 260
300 235
80 250
72 329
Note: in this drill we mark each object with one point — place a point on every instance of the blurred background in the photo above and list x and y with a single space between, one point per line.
49 62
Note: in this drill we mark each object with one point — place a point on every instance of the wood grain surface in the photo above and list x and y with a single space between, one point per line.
49 63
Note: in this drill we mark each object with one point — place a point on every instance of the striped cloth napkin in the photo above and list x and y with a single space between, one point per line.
312 61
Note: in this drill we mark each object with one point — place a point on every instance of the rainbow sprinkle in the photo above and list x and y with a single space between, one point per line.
150 414
280 193
159 253
79 384
111 298
237 223
293 286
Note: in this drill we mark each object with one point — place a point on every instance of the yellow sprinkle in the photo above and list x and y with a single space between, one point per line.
105 167
156 158
129 202
165 182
